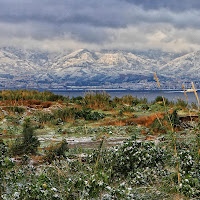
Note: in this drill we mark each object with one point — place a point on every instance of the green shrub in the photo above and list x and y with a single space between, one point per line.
174 118
134 159
30 94
56 151
161 99
28 143
194 106
144 107
65 113
45 117
97 99
5 164
87 114
15 109
78 100
74 113
157 126
181 103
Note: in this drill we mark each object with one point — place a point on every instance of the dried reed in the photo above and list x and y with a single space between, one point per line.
197 139
173 132
195 92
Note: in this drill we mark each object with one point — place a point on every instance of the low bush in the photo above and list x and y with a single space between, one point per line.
28 143
181 103
97 100
21 95
162 100
15 109
87 114
74 113
55 152
134 155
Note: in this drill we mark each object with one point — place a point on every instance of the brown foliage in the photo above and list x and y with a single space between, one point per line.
46 104
143 120
148 120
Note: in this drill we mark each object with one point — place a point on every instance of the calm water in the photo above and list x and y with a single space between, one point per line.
150 95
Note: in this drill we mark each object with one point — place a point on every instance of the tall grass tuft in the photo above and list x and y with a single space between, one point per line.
197 137
195 93
173 133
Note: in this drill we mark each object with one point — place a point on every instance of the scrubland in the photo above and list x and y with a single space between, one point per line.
95 147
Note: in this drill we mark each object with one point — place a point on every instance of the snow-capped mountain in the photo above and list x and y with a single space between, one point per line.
187 66
84 67
98 66
17 62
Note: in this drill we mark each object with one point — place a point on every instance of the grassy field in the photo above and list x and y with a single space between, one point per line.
95 147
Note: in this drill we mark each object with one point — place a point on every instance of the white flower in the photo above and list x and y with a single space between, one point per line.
54 189
122 184
86 182
100 183
108 188
16 194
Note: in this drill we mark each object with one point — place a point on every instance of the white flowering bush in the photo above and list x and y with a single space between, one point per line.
133 170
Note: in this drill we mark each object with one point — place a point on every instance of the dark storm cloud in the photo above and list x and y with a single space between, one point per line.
98 22
175 5
104 13
62 12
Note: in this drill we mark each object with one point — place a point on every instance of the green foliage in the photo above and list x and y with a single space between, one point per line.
97 99
65 113
74 113
5 164
157 107
30 94
78 100
181 103
145 106
129 100
16 109
133 170
45 117
87 114
136 169
56 152
174 118
193 106
133 156
28 143
157 127
158 98
162 99
190 169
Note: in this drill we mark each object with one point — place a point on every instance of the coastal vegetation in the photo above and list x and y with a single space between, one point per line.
97 147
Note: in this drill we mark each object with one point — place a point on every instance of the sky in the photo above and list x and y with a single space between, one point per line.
57 25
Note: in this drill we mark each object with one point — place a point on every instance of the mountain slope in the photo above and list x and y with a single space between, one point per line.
97 66
187 66
84 67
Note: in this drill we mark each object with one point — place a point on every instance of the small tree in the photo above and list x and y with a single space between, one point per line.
28 143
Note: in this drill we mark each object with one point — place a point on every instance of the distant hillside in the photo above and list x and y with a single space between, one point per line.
27 68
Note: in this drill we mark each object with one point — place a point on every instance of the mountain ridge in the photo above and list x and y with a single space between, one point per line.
85 67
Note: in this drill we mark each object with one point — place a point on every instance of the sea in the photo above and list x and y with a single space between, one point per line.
150 95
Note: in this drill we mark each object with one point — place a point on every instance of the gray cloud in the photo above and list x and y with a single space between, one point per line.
175 5
104 13
99 24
